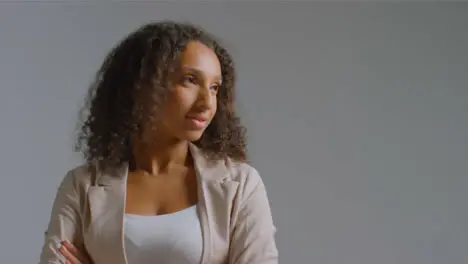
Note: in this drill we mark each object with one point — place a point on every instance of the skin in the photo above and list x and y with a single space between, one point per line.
163 180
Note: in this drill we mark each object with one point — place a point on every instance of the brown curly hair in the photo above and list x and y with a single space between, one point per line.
137 68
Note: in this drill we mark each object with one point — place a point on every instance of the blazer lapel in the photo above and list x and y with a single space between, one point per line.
215 195
106 205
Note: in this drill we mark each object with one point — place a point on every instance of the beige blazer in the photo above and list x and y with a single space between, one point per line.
233 207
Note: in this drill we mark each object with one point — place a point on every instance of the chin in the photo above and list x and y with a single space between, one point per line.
193 135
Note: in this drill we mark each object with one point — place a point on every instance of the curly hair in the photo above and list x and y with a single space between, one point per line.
132 83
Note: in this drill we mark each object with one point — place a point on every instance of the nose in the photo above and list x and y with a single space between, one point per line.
206 97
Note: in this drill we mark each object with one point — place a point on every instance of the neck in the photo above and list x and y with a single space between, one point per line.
158 157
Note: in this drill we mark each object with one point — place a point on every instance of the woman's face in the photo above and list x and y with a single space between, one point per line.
191 105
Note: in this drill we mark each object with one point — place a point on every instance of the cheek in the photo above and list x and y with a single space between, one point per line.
180 100
172 108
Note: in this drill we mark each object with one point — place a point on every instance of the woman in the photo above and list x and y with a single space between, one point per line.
165 179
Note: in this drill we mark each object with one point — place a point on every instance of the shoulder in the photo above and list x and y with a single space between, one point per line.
79 177
245 175
73 186
242 171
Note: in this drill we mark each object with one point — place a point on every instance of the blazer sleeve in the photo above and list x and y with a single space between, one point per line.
64 222
253 238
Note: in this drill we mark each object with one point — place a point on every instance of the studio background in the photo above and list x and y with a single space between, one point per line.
357 117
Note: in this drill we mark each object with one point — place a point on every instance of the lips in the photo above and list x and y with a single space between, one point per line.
198 118
197 122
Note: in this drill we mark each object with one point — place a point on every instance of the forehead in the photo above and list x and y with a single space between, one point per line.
198 56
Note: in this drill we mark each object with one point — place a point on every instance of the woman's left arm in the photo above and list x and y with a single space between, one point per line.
253 239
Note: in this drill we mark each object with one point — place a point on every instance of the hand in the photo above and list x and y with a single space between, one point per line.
72 255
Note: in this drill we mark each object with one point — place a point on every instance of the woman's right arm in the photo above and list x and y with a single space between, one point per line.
64 223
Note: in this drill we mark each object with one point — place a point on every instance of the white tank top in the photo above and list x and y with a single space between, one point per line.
164 239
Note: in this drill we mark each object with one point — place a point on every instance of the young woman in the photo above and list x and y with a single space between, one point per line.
166 179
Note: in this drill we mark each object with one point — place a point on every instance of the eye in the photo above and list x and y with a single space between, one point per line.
215 87
189 79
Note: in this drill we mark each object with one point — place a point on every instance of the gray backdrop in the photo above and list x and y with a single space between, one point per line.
357 115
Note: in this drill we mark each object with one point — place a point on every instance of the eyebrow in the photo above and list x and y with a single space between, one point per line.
199 72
